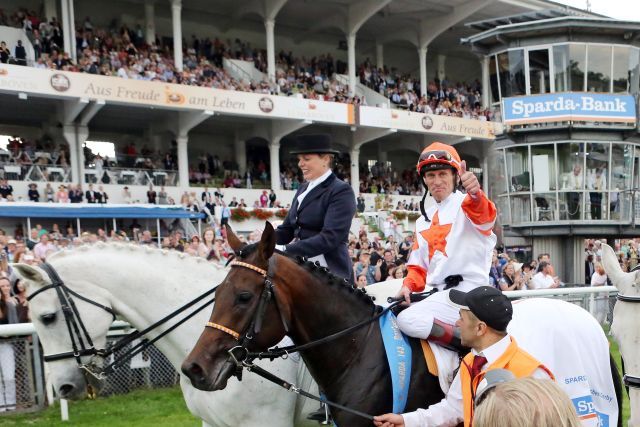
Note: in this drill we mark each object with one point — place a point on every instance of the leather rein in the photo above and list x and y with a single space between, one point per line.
81 342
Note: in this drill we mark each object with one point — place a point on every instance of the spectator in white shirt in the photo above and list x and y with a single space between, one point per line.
544 278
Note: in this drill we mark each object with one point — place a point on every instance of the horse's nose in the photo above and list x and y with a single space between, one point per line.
66 390
194 372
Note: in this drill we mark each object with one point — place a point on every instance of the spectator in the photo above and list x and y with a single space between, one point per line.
151 195
33 239
146 238
544 279
90 195
511 279
272 199
6 190
361 281
5 53
388 264
44 247
49 193
363 266
8 315
101 195
162 196
33 194
126 195
22 305
75 194
263 199
589 269
20 54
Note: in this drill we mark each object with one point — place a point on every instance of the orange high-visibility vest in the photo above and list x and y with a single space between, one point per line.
514 359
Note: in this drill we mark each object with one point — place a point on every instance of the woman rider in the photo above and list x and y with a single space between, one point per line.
453 245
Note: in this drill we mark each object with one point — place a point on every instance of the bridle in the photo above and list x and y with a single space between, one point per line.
81 342
630 380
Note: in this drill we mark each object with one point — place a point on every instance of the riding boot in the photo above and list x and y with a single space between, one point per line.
448 336
321 415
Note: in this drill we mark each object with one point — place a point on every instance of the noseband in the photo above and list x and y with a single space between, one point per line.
630 380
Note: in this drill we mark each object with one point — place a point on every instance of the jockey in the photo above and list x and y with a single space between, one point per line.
453 245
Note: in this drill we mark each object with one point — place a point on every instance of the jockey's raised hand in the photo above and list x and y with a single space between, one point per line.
468 180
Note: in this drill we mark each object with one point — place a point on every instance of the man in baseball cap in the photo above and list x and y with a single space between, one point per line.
485 313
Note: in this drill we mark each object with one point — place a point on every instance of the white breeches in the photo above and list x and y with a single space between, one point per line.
7 377
417 320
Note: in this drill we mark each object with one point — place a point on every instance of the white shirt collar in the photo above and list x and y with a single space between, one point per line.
322 178
494 351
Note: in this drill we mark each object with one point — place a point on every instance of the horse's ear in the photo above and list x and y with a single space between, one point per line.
233 240
267 242
30 273
612 267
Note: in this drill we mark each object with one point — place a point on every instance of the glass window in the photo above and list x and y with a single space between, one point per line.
520 208
511 71
576 67
597 174
502 206
497 173
518 168
621 69
560 67
493 79
621 161
570 163
543 167
545 207
599 68
634 70
571 205
539 71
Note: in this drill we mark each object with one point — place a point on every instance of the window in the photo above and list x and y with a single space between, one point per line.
634 70
543 167
577 54
511 70
570 165
518 168
539 71
599 68
560 66
621 68
493 78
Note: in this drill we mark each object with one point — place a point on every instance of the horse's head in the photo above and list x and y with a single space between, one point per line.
242 316
50 323
627 283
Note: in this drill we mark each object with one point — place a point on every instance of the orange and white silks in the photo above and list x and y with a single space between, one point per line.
514 359
457 240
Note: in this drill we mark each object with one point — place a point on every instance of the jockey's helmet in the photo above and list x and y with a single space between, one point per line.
438 156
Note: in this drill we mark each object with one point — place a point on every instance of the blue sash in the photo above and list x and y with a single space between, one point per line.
398 352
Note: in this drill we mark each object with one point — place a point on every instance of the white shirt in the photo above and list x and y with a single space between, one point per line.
449 411
541 281
313 184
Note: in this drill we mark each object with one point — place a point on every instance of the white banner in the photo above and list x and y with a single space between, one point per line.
427 123
53 83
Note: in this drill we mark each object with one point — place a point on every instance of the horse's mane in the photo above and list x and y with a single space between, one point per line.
133 247
319 272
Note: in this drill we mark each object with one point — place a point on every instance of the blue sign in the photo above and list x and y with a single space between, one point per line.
569 106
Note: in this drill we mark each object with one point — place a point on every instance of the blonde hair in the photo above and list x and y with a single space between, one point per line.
526 402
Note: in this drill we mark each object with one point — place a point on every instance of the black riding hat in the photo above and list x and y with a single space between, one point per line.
314 144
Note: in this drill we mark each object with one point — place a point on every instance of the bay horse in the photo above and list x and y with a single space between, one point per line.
309 304
142 284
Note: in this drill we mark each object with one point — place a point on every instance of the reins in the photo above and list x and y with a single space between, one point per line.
75 326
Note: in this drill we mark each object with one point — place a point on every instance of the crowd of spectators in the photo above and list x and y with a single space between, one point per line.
122 51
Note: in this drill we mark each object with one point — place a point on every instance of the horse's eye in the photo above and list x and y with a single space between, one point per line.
243 297
48 319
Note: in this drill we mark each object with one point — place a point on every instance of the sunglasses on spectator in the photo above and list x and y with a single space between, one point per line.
438 155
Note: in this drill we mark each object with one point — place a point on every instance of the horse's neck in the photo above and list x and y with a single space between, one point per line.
145 287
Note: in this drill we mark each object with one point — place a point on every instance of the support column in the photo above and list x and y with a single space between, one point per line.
183 161
441 67
485 82
82 136
351 46
50 10
240 147
76 136
379 55
422 58
66 35
149 22
354 156
269 25
176 17
274 151
382 155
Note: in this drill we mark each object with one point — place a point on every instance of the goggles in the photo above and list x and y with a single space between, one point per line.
441 155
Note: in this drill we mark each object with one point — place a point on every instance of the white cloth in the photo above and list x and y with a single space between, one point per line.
541 281
449 411
7 377
417 320
313 184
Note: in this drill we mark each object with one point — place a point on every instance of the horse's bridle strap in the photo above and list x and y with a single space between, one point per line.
250 267
231 332
627 298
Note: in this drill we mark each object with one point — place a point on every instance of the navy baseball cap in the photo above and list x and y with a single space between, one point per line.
488 304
